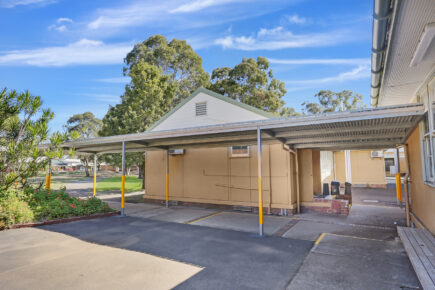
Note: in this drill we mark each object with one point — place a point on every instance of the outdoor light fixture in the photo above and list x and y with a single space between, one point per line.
423 44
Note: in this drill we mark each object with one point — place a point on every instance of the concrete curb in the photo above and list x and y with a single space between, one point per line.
64 220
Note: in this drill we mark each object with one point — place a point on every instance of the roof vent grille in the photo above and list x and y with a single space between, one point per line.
201 109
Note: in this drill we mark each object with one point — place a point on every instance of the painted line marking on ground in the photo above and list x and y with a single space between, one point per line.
204 217
354 237
319 239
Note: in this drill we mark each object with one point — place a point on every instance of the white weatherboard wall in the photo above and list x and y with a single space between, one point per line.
218 112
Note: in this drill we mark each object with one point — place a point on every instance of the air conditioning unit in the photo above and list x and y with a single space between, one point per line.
176 151
377 154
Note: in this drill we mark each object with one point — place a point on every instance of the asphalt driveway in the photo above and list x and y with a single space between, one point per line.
230 259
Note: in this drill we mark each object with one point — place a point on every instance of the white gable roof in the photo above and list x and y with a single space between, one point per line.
219 110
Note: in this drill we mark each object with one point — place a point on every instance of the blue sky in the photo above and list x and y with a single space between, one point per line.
70 52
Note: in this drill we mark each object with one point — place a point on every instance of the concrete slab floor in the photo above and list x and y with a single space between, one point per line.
245 222
32 258
340 262
310 230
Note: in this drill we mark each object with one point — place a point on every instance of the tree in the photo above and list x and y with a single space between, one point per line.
176 59
25 144
288 112
251 82
146 99
87 126
329 101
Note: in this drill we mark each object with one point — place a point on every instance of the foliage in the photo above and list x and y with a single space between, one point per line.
176 59
31 205
288 112
250 82
14 210
162 74
114 183
329 101
26 146
48 205
86 125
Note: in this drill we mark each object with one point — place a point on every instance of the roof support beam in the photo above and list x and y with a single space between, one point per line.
343 138
310 132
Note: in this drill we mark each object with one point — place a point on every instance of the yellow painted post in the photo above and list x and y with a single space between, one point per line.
49 179
398 187
398 179
260 194
167 179
123 181
95 175
46 180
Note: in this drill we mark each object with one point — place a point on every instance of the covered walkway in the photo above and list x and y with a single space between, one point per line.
361 129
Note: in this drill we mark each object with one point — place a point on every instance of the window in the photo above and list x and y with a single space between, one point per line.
201 109
239 151
428 134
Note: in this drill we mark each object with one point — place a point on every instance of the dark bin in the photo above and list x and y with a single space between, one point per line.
347 188
335 187
325 189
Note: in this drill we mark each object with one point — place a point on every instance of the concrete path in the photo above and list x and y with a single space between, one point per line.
342 262
34 258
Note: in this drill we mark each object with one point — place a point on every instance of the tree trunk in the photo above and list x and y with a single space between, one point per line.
87 167
142 174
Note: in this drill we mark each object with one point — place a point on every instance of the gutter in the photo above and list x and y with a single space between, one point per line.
382 27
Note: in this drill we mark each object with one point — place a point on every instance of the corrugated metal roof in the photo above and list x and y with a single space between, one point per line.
374 128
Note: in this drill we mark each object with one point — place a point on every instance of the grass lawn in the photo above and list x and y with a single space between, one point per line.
132 183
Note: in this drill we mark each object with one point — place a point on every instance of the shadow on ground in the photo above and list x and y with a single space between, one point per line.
232 260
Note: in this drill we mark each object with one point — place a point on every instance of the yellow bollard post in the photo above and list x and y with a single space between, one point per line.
167 179
260 195
49 180
123 181
95 175
46 181
398 187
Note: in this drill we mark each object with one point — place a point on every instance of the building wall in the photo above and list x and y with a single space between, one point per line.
218 112
317 176
366 171
422 195
211 175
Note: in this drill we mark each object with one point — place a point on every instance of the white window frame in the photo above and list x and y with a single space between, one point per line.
428 138
240 155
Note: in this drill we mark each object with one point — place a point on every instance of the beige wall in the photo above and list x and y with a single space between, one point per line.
317 176
210 175
365 169
422 195
307 163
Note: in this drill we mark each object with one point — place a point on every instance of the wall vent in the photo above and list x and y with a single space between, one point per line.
377 154
201 109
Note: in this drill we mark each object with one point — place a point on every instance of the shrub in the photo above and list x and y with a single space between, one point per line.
14 210
53 204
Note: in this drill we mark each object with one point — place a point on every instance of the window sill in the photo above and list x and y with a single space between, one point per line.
429 184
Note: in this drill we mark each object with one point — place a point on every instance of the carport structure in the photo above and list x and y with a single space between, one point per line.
376 128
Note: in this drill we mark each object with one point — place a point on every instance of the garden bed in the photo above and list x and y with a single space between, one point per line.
64 220
33 207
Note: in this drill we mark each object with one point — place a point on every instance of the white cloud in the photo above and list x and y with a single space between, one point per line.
107 98
82 52
280 38
64 19
296 19
327 61
118 80
13 3
359 72
60 28
198 5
